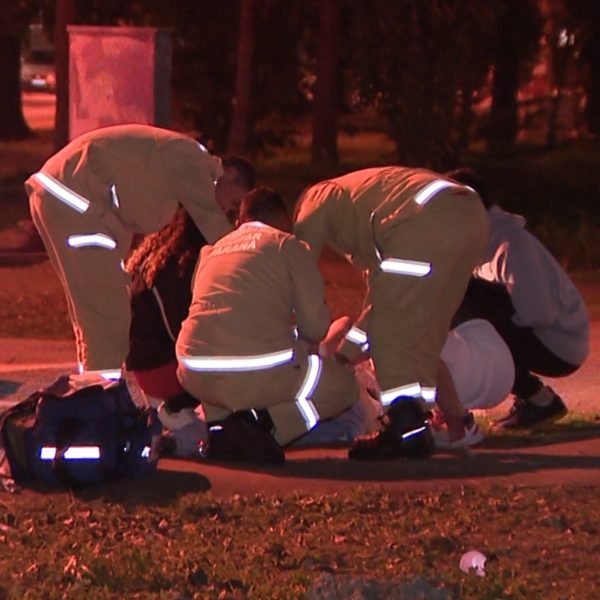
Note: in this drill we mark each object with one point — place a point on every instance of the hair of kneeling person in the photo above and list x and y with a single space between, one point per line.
265 205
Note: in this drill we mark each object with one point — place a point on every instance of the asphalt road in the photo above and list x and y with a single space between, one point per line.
39 110
27 365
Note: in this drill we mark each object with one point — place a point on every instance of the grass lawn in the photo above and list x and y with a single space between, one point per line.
145 543
168 538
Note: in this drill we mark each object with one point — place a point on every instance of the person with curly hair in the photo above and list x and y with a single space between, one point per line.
161 270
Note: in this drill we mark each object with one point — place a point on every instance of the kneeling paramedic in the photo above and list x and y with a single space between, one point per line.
239 352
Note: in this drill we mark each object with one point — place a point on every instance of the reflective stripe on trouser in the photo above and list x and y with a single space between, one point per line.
411 314
296 394
92 277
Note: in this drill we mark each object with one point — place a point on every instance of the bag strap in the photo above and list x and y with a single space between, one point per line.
7 481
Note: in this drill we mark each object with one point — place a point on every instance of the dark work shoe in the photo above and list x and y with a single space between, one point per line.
405 433
524 414
217 446
242 438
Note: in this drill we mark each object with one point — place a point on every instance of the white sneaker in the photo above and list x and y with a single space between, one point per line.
472 437
176 420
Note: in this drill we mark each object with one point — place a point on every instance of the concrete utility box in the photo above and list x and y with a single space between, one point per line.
118 75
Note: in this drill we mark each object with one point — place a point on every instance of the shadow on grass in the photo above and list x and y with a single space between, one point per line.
160 488
569 431
502 456
475 465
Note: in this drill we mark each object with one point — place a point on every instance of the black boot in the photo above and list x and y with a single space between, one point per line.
241 437
405 433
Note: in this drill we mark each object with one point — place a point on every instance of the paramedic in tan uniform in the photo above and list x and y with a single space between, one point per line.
88 201
238 349
419 237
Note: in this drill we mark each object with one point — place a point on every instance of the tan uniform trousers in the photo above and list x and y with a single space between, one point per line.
411 315
294 405
92 276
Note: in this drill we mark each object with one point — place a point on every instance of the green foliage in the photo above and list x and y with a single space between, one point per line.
204 62
420 63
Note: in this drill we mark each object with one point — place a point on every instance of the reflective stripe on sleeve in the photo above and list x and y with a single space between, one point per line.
237 363
62 192
91 239
401 266
359 337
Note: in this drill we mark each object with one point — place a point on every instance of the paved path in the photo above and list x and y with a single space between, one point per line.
27 365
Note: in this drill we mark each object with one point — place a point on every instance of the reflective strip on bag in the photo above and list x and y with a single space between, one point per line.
307 389
71 453
114 196
108 374
91 239
62 192
413 432
237 363
400 266
111 375
428 393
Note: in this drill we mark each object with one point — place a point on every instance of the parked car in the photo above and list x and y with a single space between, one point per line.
37 71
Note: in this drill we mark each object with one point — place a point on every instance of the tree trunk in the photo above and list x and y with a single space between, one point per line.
65 14
504 123
238 129
12 122
325 108
593 88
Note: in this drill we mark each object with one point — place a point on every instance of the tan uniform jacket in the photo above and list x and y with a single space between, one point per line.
247 289
151 169
353 211
92 196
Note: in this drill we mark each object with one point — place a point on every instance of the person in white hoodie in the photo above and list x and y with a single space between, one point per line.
547 328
